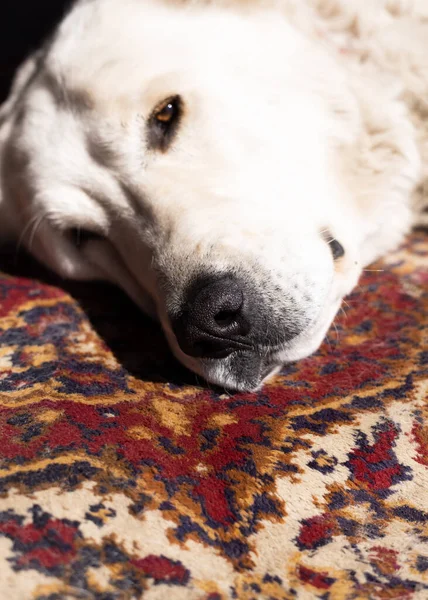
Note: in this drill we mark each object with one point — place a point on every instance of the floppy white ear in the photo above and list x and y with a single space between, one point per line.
43 225
22 78
8 112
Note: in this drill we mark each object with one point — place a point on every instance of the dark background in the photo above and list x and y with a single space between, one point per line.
23 26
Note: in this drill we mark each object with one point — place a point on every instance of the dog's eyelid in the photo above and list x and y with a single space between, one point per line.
172 102
80 235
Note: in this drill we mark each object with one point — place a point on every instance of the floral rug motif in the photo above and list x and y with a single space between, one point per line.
122 477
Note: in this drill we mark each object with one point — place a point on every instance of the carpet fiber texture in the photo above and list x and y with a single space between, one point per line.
118 484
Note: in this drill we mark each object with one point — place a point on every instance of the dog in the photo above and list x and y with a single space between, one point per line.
233 166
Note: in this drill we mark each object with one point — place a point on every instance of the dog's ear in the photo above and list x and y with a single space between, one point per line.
8 114
22 79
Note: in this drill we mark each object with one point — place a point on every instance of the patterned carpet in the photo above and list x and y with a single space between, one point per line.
123 478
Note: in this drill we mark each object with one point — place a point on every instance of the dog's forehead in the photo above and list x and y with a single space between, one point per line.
106 70
111 47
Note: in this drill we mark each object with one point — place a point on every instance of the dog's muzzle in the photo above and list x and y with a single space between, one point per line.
222 315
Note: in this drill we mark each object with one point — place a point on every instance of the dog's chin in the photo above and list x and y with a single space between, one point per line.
248 371
241 371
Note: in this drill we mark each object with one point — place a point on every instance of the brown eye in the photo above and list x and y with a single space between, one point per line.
167 113
163 123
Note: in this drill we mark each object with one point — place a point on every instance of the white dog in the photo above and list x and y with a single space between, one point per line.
232 166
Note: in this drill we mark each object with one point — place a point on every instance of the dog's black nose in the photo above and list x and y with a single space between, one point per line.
213 323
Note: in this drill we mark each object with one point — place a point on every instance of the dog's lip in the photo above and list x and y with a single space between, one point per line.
268 359
219 357
268 370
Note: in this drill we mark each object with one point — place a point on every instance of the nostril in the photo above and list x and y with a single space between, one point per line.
224 318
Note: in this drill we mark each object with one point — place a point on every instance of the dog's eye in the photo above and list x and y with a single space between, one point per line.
336 248
164 122
80 236
167 113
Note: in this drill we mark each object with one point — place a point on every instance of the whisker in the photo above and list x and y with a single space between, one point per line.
34 231
343 311
337 331
24 232
199 383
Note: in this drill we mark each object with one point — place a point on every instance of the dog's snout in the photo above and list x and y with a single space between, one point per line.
215 321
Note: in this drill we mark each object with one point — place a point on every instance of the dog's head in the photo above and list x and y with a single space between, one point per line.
190 156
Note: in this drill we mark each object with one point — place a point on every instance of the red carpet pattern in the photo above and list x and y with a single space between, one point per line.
122 477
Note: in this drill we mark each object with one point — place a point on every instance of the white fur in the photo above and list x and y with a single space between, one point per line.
300 116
